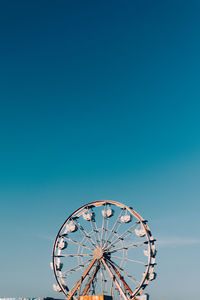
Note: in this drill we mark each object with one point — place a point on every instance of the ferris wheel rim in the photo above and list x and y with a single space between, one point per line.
80 211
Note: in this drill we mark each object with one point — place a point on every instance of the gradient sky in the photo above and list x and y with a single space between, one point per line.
99 100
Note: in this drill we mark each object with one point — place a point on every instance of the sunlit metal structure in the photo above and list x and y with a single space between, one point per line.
103 248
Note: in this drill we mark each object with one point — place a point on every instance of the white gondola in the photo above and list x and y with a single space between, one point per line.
62 244
56 288
152 276
126 218
140 232
71 227
51 265
154 252
153 260
88 216
142 297
107 213
59 265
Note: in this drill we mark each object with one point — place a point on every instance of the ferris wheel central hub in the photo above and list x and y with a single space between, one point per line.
98 253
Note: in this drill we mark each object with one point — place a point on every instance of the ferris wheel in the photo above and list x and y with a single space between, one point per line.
103 248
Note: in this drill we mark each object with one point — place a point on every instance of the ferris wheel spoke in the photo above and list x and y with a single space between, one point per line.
106 231
73 255
77 267
126 286
113 231
101 280
91 279
95 230
102 227
94 283
78 243
79 282
123 236
114 280
84 233
135 281
134 245
131 260
111 289
104 280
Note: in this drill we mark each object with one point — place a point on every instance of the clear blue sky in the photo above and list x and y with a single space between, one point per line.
99 100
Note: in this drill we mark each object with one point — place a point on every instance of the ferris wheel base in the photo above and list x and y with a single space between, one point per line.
102 297
96 297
